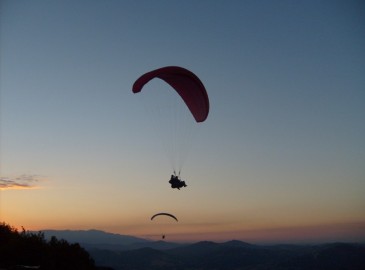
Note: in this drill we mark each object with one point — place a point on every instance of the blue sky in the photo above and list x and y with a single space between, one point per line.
283 146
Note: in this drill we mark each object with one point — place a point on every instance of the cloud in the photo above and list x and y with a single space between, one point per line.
24 181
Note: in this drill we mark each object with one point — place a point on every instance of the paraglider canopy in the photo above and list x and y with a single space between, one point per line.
163 214
186 84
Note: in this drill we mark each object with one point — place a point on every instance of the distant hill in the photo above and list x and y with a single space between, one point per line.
96 239
93 237
239 256
128 252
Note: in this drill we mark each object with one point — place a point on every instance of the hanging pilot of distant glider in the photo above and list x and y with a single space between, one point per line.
192 91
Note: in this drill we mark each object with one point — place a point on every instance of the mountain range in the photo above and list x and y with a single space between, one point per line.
131 253
96 239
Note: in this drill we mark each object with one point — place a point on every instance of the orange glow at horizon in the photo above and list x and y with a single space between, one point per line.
183 231
352 232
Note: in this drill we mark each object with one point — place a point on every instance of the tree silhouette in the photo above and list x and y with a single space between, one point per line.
20 249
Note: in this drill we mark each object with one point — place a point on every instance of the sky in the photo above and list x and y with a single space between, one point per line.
280 158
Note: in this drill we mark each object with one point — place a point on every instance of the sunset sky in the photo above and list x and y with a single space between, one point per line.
281 157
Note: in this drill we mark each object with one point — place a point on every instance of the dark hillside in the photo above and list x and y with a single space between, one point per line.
24 250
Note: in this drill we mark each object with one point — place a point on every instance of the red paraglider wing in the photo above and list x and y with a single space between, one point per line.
186 84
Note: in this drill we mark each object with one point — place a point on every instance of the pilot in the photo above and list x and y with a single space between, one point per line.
176 182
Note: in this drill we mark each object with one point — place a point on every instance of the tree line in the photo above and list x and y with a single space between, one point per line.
24 250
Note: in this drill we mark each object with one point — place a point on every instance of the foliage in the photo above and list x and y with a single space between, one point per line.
23 248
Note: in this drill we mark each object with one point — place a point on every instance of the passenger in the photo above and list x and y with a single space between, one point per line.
176 182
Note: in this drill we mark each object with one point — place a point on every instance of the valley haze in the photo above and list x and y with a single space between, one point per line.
127 252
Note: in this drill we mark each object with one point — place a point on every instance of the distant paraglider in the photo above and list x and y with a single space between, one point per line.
164 214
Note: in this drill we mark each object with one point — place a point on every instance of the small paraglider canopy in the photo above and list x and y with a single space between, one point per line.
186 84
163 214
